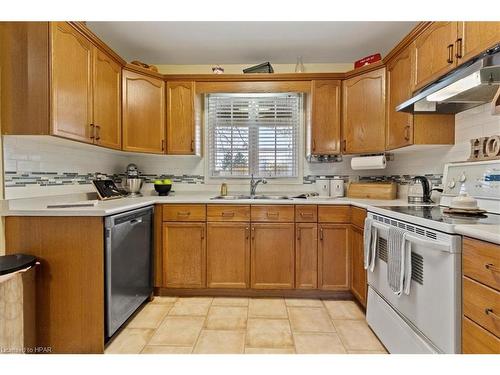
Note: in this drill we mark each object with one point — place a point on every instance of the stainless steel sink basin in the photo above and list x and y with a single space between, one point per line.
271 197
234 197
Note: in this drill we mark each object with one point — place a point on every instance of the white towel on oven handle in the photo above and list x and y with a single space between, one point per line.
406 252
370 237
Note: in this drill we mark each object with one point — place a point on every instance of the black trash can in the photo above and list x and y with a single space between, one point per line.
17 303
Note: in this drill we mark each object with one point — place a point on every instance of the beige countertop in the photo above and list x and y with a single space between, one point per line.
485 232
38 206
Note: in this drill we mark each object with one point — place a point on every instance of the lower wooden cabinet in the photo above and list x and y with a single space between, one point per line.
358 272
184 255
228 255
306 256
333 257
272 256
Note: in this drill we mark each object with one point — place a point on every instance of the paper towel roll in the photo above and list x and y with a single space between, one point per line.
368 162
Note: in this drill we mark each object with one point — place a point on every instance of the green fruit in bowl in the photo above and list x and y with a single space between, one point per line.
167 182
158 182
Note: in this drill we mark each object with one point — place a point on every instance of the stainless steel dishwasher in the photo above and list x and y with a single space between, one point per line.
128 262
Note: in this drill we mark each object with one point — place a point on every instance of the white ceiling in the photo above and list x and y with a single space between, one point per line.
249 42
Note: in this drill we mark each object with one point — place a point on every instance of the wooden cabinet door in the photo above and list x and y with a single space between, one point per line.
333 257
228 255
272 256
306 256
184 255
143 109
434 52
71 88
107 100
180 118
476 37
358 272
399 131
325 117
363 115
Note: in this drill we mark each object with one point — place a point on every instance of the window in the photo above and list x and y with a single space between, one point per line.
253 134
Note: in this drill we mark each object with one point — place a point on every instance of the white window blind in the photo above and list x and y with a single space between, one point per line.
253 134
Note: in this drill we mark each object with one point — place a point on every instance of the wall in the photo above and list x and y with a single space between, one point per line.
473 123
238 68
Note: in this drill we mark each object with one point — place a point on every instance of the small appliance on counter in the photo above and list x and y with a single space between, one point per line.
322 187
337 187
133 182
419 190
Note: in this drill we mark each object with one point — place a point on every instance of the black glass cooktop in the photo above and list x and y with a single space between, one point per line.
435 213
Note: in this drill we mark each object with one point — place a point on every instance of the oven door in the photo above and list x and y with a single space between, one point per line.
433 307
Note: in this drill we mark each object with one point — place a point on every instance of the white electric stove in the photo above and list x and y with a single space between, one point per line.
428 320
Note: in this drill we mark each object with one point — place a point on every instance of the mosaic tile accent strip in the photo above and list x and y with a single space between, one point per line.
435 179
23 179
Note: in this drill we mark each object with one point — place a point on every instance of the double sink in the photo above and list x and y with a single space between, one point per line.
235 197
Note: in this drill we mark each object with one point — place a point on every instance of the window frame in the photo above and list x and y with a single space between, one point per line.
299 141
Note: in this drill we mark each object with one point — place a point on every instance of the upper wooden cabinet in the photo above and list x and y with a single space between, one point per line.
476 37
363 114
434 52
71 85
143 109
181 130
444 45
404 129
107 109
324 132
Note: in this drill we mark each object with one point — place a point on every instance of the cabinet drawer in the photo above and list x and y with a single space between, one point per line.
334 214
482 305
184 212
226 212
477 340
358 216
274 213
481 262
306 213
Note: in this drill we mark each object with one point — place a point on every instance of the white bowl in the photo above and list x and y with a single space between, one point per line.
464 202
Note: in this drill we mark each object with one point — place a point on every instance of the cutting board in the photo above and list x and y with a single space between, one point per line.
372 190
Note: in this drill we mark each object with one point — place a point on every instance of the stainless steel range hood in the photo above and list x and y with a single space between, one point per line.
471 84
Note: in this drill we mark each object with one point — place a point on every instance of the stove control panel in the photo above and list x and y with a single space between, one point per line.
478 179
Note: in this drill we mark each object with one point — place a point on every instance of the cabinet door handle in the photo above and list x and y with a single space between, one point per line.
253 233
306 214
407 132
492 267
321 234
273 214
298 234
192 145
490 312
314 145
202 233
458 55
227 214
183 213
92 131
163 145
247 234
450 54
344 145
98 132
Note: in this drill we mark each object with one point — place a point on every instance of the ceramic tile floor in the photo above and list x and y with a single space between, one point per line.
171 325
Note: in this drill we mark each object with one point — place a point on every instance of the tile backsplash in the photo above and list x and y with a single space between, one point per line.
43 165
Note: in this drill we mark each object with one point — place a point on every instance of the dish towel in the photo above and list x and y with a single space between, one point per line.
406 255
370 235
396 259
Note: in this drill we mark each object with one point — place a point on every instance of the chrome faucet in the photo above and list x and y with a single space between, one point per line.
254 183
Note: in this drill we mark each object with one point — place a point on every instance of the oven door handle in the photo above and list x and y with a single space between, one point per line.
439 245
